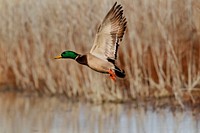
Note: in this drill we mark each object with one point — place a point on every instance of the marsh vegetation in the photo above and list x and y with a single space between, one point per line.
160 51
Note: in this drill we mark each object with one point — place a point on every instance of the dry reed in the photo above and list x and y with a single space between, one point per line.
160 51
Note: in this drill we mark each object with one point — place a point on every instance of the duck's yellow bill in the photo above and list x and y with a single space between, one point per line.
58 57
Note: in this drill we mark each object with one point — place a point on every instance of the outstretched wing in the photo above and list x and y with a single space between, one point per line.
109 34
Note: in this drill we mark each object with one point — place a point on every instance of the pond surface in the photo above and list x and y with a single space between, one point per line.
25 114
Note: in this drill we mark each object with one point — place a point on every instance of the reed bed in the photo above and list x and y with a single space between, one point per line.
160 51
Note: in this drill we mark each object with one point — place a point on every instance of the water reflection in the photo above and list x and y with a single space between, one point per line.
24 114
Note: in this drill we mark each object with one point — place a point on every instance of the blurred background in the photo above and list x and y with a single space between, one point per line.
160 51
160 54
22 114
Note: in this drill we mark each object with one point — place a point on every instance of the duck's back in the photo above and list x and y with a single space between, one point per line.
98 64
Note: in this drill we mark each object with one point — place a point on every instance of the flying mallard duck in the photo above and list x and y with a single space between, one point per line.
103 54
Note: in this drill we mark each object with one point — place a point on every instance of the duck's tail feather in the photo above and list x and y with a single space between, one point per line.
119 73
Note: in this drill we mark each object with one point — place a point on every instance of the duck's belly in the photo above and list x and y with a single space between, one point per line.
99 65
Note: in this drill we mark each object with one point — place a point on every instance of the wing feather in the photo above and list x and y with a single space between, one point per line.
110 34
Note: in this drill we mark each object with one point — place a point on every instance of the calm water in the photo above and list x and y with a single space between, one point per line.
23 114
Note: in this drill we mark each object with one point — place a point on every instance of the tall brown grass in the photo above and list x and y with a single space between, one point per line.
160 51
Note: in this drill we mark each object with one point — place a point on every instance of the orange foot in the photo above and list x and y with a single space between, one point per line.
112 74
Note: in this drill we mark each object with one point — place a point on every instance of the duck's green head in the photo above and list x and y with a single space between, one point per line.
67 54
